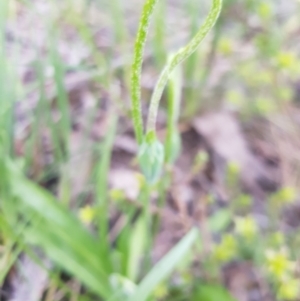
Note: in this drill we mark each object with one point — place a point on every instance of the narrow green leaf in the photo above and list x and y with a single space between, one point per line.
102 170
103 166
137 243
165 266
59 233
62 96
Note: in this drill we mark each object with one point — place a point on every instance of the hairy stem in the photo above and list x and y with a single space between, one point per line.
179 57
137 67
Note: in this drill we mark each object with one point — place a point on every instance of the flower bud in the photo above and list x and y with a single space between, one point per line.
151 158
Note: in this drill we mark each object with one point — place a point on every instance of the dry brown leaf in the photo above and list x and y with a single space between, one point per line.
223 134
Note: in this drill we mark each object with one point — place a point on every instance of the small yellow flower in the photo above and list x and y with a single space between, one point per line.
225 46
279 264
200 161
287 195
186 276
202 157
233 168
248 71
289 289
161 291
263 77
244 200
285 94
141 179
227 249
117 194
235 98
286 60
277 239
265 11
265 105
232 173
246 227
87 214
210 199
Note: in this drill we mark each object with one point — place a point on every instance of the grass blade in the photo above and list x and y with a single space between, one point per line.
59 233
102 171
165 266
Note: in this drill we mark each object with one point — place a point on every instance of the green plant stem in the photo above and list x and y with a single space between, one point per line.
174 99
179 57
102 170
147 216
137 67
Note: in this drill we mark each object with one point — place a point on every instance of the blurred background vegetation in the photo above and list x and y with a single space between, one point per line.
77 219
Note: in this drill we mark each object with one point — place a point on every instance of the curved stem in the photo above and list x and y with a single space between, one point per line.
137 67
179 57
